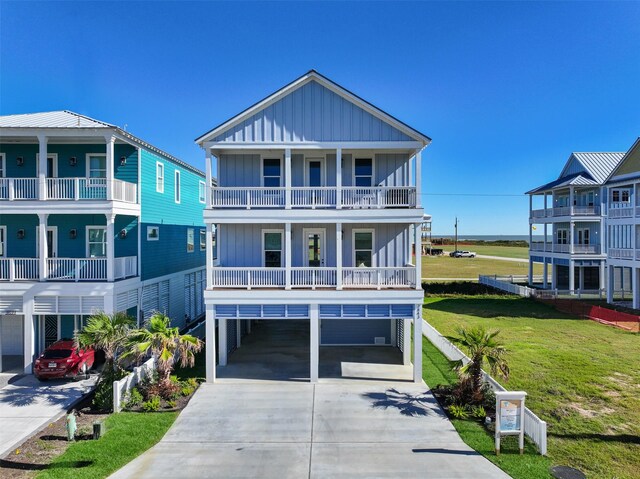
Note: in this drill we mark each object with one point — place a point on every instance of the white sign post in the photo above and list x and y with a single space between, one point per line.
510 416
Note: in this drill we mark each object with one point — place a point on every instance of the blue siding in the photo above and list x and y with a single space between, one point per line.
27 152
66 326
354 331
169 254
21 248
312 113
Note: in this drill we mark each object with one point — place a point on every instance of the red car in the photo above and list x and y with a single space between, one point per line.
62 359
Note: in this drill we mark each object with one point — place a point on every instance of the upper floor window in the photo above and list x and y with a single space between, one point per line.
159 177
3 171
177 187
271 172
272 248
201 192
363 172
620 195
3 236
563 236
190 240
96 241
562 201
153 233
203 240
363 248
96 166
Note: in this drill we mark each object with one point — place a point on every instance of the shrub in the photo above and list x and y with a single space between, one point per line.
478 412
171 404
186 390
193 382
152 405
458 412
134 398
103 397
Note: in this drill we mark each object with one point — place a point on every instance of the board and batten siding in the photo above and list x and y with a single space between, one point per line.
243 170
312 112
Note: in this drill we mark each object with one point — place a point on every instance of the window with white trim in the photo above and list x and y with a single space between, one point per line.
214 241
621 195
190 240
203 240
160 177
583 236
272 248
3 241
201 192
363 248
562 236
271 172
177 187
96 242
3 170
96 166
153 233
363 172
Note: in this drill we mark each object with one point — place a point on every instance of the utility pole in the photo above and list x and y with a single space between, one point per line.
456 236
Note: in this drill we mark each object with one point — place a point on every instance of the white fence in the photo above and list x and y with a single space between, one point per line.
509 287
127 383
534 427
506 283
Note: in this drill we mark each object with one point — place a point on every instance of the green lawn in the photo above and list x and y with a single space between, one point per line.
128 435
503 251
447 267
581 377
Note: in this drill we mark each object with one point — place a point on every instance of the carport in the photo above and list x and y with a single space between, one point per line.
11 343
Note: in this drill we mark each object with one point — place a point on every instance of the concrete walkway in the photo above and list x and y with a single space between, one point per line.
503 258
27 405
338 428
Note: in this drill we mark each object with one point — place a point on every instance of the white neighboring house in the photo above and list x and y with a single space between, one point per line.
317 211
570 213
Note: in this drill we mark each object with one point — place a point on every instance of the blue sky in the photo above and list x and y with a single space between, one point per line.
506 90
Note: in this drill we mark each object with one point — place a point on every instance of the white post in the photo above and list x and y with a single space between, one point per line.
209 255
572 276
110 140
222 342
338 178
338 256
208 193
610 285
42 167
417 343
634 287
287 178
417 241
406 353
238 332
287 255
111 218
554 275
315 342
602 283
571 199
29 339
572 237
210 344
581 277
545 273
530 278
418 183
42 246
530 213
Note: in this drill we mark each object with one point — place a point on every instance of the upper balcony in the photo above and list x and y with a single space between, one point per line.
67 269
564 211
69 189
550 247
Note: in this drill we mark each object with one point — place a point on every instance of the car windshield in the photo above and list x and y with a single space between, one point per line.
56 354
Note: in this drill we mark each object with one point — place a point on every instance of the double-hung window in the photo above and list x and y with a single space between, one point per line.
177 187
96 166
563 236
203 240
190 240
271 172
583 236
2 166
160 177
272 248
363 248
620 196
3 241
201 192
96 242
363 172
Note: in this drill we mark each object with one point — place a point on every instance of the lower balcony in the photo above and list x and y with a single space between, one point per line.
565 248
71 189
313 278
67 269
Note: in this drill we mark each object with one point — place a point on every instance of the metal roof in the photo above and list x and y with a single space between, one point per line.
69 119
577 179
599 165
51 119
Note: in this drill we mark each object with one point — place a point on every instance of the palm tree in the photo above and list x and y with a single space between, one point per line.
482 347
108 333
165 343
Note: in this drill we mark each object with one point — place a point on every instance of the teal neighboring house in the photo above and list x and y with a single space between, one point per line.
92 218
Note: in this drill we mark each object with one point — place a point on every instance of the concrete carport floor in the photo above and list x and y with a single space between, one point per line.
280 350
357 429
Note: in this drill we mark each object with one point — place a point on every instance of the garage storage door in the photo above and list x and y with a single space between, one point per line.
11 332
355 331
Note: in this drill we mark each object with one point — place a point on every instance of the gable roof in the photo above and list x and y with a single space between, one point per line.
598 164
66 119
576 179
313 75
624 162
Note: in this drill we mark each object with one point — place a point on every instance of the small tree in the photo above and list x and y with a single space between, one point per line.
482 348
165 343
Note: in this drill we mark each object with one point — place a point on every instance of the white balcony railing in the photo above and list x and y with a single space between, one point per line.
311 278
19 269
626 212
72 189
314 197
620 253
540 246
566 211
586 249
66 269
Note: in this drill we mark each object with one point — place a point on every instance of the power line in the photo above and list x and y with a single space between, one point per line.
471 194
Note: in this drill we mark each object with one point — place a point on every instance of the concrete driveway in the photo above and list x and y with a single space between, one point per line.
27 405
336 428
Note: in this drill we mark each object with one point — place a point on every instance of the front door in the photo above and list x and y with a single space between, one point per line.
314 248
50 330
52 167
52 241
315 172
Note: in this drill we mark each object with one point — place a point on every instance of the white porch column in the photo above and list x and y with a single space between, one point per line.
287 255
571 197
417 244
545 273
314 325
29 336
209 256
545 203
545 237
339 178
572 276
417 343
406 340
287 178
338 256
418 182
238 332
572 236
610 284
42 246
603 282
530 276
530 212
210 344
207 170
222 342
554 275
634 288
110 140
42 167
111 219
581 278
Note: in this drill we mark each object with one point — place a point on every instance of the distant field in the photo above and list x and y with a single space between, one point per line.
504 251
447 267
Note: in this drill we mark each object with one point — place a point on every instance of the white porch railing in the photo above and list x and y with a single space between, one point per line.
561 211
381 277
314 197
540 246
538 213
626 212
76 269
19 269
561 248
586 248
248 278
621 253
313 277
73 189
586 210
125 267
